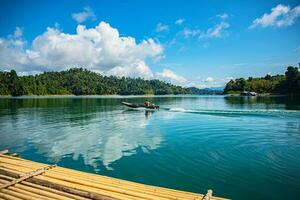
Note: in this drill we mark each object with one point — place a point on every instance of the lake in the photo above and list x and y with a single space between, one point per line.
241 147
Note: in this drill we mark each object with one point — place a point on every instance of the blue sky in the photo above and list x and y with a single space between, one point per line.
199 43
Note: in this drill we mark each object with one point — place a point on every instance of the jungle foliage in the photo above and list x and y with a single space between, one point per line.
279 84
78 81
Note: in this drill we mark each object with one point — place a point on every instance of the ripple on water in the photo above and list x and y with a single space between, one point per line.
236 148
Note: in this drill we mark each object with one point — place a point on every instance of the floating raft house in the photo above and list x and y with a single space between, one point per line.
24 179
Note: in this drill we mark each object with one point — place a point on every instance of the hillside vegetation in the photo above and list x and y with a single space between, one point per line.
80 81
288 84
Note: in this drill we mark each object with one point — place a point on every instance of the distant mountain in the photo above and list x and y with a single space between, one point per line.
214 90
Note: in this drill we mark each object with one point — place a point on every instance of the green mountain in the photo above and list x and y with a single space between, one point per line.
80 81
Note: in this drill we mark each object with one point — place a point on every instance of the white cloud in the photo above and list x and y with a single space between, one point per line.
186 32
136 69
18 32
108 147
99 49
223 16
170 76
280 16
217 31
84 15
179 21
162 27
209 79
209 82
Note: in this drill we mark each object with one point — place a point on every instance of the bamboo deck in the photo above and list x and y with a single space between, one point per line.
24 179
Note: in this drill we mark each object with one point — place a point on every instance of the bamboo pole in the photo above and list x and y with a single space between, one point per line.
29 194
18 195
42 180
15 187
87 183
29 175
55 185
120 189
31 187
143 186
8 196
157 190
36 192
198 197
104 187
71 196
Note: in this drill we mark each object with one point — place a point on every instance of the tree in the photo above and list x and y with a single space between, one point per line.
292 80
268 77
15 86
229 86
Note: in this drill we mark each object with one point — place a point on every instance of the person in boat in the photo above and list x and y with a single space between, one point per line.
147 103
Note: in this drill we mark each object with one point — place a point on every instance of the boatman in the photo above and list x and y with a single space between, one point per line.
147 103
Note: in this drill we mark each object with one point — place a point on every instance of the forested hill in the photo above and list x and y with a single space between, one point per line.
280 84
80 81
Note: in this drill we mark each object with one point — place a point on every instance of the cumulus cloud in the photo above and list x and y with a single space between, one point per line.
170 76
87 13
179 21
162 27
280 16
210 82
209 79
99 49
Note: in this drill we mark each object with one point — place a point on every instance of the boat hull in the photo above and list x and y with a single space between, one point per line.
139 107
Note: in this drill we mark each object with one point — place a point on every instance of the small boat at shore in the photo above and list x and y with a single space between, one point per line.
140 106
248 93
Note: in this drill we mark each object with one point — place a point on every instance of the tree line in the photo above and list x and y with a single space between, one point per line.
288 84
78 81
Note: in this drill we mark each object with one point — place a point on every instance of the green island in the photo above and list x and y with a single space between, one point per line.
79 81
287 84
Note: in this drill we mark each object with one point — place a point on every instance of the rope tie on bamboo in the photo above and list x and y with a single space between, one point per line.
27 175
208 195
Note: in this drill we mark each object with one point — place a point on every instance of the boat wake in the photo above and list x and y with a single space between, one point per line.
236 112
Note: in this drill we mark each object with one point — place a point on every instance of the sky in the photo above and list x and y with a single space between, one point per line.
189 43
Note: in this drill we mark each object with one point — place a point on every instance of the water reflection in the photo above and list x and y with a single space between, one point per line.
273 102
189 140
96 130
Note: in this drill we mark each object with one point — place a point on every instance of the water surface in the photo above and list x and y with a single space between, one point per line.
242 148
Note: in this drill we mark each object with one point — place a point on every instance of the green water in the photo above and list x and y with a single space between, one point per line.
242 148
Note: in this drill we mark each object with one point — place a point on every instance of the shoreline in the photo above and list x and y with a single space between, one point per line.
139 96
106 96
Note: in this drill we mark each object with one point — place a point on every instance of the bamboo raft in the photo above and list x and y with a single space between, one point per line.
24 179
